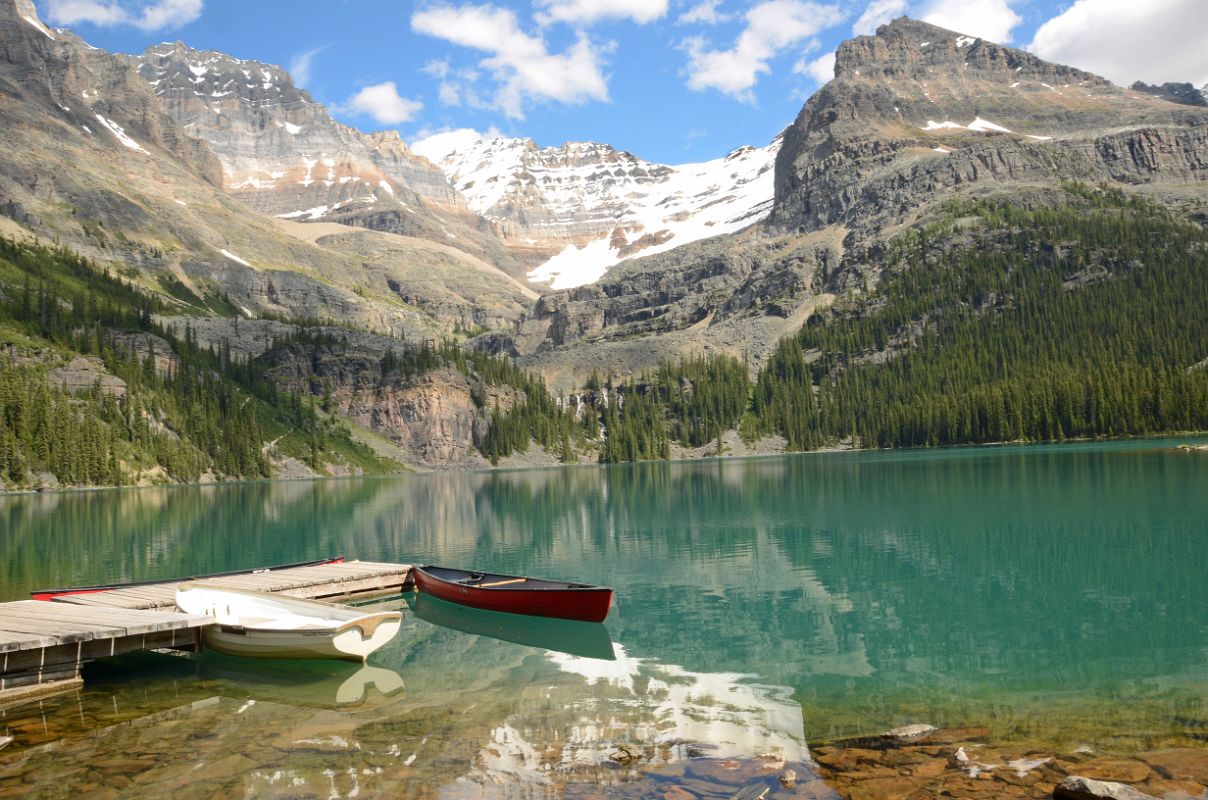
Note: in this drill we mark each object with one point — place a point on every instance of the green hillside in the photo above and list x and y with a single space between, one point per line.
175 411
1083 317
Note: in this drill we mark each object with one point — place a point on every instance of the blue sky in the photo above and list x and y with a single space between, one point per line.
672 81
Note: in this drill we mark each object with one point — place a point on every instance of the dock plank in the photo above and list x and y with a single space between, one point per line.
324 580
108 620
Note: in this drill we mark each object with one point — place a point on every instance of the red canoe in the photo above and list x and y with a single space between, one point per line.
51 594
514 594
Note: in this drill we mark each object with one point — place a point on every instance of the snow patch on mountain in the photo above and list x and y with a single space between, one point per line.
37 24
978 124
634 206
120 134
234 258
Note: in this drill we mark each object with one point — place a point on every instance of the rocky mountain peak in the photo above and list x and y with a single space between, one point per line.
25 37
175 68
281 151
909 49
22 8
94 94
916 111
285 155
579 208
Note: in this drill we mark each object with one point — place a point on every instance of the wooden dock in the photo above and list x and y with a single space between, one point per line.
44 644
320 582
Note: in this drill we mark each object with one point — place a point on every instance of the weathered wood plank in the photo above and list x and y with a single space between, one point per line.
113 621
12 642
152 593
66 634
99 599
327 580
19 695
312 574
256 582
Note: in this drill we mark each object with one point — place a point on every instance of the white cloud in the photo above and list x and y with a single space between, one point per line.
821 69
521 64
168 14
771 27
95 12
382 102
587 12
436 145
160 15
704 13
299 65
877 14
985 19
1125 40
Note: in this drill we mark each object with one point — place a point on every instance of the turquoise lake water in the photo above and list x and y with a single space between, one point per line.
1054 593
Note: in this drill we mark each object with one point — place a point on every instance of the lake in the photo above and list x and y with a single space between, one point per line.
1055 594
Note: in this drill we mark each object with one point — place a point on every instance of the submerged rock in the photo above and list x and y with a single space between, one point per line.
909 733
1076 787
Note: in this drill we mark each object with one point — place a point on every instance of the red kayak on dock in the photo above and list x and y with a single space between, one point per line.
51 594
515 594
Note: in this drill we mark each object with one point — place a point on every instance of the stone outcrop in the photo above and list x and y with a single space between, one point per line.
1183 93
1076 787
432 417
85 373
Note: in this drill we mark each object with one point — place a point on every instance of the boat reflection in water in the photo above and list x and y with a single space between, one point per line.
588 640
322 684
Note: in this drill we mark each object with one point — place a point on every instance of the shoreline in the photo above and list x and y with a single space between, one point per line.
698 459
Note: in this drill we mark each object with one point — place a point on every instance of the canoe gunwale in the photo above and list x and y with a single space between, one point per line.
559 586
556 599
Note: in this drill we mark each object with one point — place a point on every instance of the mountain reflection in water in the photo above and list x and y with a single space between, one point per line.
480 716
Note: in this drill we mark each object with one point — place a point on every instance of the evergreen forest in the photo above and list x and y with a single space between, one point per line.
1080 318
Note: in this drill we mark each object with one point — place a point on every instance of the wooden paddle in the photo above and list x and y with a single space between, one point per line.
501 583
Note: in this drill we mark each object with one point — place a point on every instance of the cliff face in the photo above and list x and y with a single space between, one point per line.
916 112
431 417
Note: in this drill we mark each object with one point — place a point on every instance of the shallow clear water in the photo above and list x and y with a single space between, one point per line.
1055 594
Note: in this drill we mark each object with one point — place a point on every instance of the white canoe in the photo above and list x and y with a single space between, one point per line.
265 625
